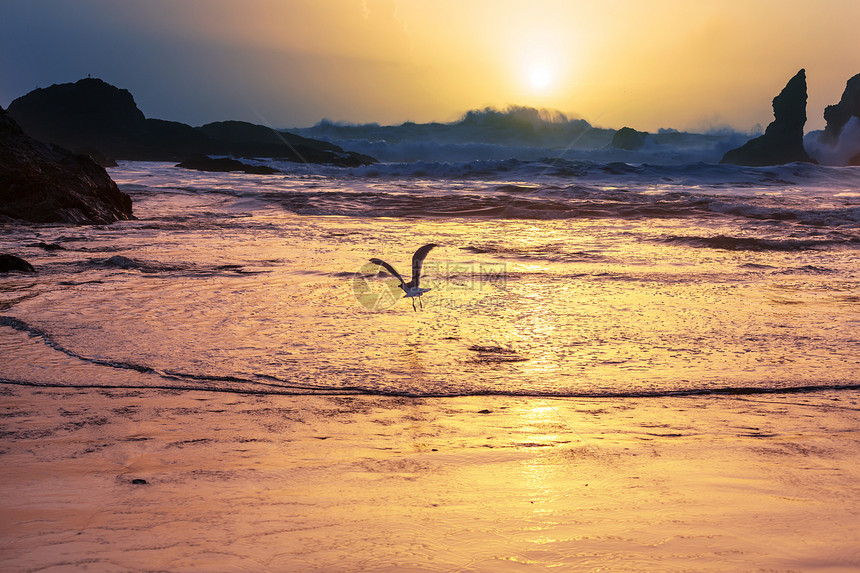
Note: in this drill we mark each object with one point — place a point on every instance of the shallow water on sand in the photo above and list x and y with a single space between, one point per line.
164 480
218 286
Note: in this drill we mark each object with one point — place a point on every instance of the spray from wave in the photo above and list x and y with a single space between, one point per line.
845 151
519 132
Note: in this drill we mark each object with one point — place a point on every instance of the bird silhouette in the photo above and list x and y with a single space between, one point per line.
411 288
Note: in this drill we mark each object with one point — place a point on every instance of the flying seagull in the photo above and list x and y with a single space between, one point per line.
411 288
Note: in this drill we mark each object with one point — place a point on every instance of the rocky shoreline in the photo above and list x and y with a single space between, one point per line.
44 183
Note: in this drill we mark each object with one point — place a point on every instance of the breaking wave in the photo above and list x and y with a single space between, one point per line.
844 151
517 132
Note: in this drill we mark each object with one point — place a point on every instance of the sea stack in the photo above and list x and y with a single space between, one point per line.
44 183
844 143
628 138
782 141
838 115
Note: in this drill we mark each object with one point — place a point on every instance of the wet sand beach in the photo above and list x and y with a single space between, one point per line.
400 287
238 482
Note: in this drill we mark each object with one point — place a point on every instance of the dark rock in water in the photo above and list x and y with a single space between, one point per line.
127 263
838 115
13 263
628 138
224 164
44 183
139 481
48 246
242 133
122 262
782 141
95 118
243 139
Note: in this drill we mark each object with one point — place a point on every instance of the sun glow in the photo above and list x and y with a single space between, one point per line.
540 78
540 69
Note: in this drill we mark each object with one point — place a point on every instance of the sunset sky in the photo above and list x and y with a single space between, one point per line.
290 63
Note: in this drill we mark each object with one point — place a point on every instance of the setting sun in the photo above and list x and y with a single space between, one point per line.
540 79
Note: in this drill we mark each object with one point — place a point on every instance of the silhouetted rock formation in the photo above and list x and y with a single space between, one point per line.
12 263
838 115
782 141
838 145
83 116
93 117
45 183
225 164
244 133
243 139
628 138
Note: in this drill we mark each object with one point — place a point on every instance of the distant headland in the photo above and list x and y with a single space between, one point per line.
94 118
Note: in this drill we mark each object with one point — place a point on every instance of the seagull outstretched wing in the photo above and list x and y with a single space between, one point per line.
391 270
417 262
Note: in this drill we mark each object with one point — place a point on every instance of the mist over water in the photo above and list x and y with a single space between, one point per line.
553 277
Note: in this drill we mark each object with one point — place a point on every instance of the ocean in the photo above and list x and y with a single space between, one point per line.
588 273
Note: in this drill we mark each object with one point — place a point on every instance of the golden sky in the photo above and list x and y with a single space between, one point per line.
645 63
